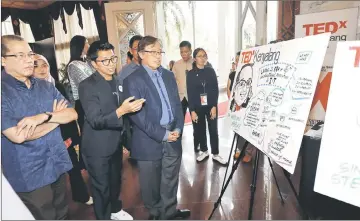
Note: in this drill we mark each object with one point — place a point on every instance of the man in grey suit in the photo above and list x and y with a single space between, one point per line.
157 127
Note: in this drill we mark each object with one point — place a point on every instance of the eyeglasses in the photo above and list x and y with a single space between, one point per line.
106 62
154 53
21 56
244 83
203 56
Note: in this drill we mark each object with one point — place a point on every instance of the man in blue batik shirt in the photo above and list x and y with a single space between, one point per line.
34 156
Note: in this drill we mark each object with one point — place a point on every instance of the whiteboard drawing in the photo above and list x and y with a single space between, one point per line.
272 95
242 88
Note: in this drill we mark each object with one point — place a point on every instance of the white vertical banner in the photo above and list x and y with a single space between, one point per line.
343 25
272 93
338 169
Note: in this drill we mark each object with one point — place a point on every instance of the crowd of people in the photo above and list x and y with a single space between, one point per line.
99 111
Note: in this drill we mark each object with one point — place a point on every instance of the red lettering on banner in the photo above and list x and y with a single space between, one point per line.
247 55
342 24
357 56
318 28
322 91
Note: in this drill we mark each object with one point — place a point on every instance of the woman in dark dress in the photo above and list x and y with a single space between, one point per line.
203 93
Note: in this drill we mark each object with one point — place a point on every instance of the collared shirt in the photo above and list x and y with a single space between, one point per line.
156 77
126 71
37 163
180 70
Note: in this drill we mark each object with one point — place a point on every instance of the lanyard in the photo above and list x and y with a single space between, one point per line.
203 83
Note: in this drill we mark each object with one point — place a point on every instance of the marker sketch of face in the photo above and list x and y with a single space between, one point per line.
243 85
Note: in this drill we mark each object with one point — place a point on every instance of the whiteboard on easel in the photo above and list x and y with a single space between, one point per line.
272 95
338 169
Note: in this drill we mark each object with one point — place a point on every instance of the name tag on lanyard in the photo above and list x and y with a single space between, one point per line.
203 96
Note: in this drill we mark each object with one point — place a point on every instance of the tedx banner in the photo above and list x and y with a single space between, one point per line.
337 175
343 27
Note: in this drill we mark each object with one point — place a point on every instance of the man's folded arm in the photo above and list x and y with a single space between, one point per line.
39 131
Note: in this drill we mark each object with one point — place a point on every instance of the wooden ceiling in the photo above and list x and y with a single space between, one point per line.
26 4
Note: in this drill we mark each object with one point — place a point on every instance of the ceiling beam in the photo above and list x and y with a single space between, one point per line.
26 4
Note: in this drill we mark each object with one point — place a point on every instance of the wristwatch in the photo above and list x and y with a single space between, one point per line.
49 117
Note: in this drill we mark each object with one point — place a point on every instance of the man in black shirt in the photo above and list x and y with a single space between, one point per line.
104 109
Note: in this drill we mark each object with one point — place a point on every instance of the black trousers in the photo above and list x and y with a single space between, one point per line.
105 176
81 118
185 105
78 187
203 114
48 202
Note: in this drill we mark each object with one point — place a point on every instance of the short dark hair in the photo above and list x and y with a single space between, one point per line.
97 46
5 40
133 39
146 41
238 53
185 44
129 55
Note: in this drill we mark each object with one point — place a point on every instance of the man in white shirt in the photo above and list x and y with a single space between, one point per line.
180 69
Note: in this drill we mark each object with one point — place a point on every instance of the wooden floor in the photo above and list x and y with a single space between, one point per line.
200 185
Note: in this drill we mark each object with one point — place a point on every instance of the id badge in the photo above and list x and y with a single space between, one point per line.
203 99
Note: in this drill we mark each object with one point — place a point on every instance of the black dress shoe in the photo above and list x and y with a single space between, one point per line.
151 217
181 214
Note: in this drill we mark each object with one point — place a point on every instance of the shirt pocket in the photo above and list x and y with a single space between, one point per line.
44 103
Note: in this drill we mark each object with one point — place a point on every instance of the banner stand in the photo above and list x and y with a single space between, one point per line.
254 179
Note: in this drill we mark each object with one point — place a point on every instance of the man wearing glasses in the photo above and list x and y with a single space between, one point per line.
34 156
156 130
104 109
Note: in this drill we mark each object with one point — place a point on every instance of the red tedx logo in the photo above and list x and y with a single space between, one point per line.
333 27
357 56
246 56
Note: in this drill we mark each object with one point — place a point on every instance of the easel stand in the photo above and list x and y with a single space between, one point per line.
254 179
